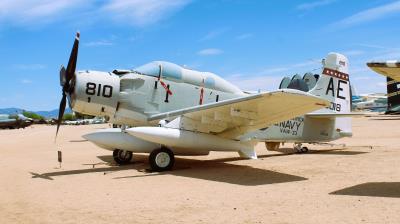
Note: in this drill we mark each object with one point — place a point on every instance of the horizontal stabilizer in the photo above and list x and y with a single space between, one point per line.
389 68
334 115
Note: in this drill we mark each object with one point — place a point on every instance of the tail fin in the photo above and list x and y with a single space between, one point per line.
393 94
334 85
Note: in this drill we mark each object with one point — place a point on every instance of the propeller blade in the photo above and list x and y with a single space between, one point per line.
61 110
65 77
62 76
70 71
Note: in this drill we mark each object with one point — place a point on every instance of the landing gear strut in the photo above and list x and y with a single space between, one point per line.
161 159
299 149
122 157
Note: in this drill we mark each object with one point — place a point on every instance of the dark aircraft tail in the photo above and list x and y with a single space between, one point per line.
393 95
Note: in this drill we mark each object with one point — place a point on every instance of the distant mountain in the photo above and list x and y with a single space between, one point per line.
11 110
52 113
47 114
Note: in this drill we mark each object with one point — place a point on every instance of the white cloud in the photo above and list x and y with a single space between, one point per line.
29 11
213 34
275 70
210 51
372 46
99 43
244 36
369 15
301 67
134 12
270 78
386 55
26 81
312 5
142 12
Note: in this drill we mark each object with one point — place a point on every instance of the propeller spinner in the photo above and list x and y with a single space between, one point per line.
66 75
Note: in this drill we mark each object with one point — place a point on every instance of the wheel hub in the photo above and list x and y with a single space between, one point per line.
162 159
123 155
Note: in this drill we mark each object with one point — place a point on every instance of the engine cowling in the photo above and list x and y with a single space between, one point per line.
95 93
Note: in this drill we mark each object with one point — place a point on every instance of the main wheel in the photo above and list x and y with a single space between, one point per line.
161 159
121 156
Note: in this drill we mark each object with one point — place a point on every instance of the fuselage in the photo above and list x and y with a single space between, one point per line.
129 97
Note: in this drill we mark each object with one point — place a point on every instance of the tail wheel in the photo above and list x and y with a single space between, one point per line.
122 157
161 159
304 149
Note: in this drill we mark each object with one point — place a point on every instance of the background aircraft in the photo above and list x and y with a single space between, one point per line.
376 104
390 69
320 126
14 121
206 112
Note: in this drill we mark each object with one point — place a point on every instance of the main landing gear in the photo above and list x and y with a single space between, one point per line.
161 159
299 149
122 157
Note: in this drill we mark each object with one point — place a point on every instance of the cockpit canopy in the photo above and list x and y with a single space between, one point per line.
176 73
168 70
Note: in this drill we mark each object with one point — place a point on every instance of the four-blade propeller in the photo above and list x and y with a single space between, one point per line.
66 75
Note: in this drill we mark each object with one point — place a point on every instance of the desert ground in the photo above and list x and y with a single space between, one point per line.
356 183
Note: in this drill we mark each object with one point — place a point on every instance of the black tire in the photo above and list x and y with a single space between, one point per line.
122 157
155 161
304 149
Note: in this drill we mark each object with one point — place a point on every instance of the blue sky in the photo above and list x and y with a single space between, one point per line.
253 43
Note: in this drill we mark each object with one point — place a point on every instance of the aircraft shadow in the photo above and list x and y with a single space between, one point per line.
385 119
49 175
218 170
83 140
213 170
335 152
290 151
372 189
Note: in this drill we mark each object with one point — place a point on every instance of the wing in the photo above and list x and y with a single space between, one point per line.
235 117
388 68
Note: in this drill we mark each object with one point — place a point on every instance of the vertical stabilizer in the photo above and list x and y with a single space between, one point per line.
334 85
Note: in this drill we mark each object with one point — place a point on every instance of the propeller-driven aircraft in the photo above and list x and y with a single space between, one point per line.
178 111
320 126
14 121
